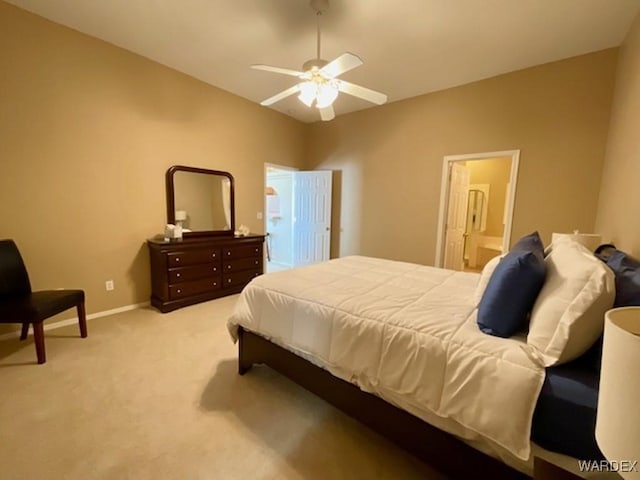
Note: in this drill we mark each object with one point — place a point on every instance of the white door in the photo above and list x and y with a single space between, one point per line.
456 217
311 217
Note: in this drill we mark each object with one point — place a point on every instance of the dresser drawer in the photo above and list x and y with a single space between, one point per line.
192 257
195 272
242 252
186 289
241 264
238 278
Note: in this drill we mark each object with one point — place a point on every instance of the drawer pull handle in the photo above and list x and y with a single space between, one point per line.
256 262
178 275
215 284
228 267
228 280
215 269
179 291
256 250
228 253
177 259
213 255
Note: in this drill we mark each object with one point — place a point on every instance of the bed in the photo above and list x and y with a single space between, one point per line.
396 345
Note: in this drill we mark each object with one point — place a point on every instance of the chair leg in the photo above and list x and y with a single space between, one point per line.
25 331
82 320
38 336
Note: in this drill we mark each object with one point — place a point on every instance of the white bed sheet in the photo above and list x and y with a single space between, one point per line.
408 334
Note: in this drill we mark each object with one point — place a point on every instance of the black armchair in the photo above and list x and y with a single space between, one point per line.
18 304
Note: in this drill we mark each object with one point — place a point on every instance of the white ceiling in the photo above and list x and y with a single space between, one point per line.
410 47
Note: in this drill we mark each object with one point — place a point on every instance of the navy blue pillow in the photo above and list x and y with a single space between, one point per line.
529 243
513 288
627 271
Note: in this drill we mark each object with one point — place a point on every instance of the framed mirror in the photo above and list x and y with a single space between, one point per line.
201 200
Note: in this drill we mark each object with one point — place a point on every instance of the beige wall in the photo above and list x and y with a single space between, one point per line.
619 204
495 172
87 131
389 159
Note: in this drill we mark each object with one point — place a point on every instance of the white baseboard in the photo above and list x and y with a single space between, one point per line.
74 320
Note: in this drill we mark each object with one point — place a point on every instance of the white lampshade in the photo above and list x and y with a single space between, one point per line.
618 420
589 240
327 94
308 91
181 215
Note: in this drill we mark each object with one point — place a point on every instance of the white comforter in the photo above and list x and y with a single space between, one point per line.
406 333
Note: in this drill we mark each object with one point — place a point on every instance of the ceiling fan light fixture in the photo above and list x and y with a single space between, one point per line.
327 94
318 79
308 92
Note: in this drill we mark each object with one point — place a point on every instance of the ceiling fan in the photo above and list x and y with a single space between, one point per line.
319 82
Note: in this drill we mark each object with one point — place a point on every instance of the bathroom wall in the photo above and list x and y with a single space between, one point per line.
495 173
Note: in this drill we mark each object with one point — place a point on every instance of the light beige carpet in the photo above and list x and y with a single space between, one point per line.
156 396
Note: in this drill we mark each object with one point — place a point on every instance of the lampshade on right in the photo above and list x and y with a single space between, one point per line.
589 240
618 420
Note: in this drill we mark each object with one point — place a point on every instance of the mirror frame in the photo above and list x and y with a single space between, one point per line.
171 214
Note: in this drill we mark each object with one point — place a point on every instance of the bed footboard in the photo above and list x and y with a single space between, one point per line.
439 449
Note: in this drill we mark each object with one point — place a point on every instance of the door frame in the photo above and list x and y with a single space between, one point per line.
443 211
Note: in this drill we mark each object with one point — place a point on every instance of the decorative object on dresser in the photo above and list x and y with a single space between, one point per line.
197 269
210 261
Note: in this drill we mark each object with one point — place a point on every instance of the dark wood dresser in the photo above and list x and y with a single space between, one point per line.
196 269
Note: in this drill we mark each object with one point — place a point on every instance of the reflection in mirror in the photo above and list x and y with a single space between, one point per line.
200 200
475 209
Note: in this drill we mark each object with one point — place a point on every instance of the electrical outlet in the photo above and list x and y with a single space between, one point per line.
109 285
259 215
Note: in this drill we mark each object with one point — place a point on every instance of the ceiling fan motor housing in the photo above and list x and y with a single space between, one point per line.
320 6
316 62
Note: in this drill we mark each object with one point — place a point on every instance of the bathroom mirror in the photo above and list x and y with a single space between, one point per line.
201 200
476 211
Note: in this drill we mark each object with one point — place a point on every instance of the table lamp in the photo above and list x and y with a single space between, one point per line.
181 217
618 419
589 240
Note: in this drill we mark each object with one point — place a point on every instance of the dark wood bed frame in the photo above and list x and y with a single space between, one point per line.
441 450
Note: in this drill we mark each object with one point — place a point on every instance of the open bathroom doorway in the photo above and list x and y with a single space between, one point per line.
297 217
278 218
476 208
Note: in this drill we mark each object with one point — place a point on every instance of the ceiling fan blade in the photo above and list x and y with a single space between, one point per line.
327 113
284 71
344 63
362 92
279 96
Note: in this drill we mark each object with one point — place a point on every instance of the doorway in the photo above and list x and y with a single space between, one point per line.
297 217
476 208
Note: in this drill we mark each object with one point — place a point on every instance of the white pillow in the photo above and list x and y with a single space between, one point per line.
487 271
568 316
